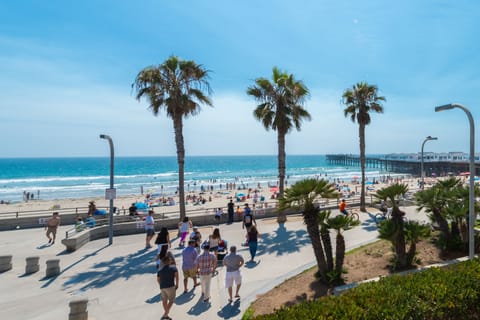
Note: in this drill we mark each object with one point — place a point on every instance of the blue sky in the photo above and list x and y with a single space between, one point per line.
66 69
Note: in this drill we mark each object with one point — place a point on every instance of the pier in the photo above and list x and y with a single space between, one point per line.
383 163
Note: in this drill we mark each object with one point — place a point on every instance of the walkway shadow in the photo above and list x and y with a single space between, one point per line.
106 272
85 257
251 264
199 307
155 299
282 241
370 224
185 297
229 310
43 246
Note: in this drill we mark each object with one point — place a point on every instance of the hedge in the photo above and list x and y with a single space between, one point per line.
438 293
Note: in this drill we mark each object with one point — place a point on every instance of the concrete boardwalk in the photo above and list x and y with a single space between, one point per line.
120 280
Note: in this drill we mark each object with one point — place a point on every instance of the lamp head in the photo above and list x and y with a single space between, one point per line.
444 107
432 138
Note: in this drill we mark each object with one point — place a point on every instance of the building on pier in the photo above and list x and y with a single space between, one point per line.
435 164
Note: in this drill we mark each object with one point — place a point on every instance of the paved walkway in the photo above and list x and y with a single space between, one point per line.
120 280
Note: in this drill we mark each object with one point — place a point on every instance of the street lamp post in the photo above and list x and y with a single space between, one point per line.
471 207
422 173
110 194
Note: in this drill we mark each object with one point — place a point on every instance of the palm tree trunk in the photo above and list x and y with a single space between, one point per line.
361 134
327 245
340 253
314 234
442 225
411 253
281 161
400 246
178 127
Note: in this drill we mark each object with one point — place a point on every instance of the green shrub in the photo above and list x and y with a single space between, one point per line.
437 293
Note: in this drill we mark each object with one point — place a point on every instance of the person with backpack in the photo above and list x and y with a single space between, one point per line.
248 218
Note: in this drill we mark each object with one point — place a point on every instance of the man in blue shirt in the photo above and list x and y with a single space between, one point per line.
189 256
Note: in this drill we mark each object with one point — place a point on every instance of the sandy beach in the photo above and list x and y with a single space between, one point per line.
213 200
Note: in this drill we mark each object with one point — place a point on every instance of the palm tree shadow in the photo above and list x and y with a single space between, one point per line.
370 224
282 241
117 268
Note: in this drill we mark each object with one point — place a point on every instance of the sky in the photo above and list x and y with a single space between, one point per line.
66 70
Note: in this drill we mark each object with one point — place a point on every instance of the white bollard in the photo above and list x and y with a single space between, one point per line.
5 263
78 309
53 268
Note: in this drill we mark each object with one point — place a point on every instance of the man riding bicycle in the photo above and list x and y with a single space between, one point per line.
343 207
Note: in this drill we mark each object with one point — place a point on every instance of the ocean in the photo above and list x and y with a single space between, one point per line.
60 178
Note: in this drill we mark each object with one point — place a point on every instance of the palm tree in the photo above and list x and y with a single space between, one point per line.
179 87
414 232
393 229
281 109
360 100
447 205
340 223
302 195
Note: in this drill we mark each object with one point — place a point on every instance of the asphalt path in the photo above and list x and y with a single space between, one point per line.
120 280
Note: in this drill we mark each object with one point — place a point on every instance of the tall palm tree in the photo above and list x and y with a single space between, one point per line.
302 195
179 87
360 101
281 109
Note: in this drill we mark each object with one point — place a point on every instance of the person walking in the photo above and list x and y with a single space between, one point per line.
183 228
189 256
252 240
231 211
248 218
163 239
206 264
167 278
51 227
233 262
149 229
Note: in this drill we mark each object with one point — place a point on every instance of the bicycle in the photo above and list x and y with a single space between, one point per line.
385 215
353 214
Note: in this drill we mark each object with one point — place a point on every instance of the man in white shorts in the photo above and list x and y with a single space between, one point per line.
233 262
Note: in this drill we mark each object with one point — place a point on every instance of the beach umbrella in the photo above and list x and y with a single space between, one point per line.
273 189
369 182
355 177
240 195
464 174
